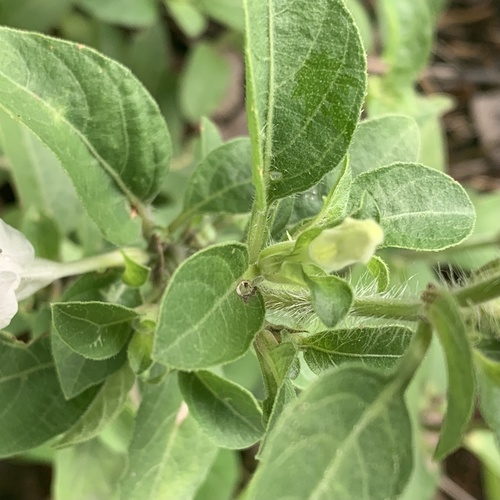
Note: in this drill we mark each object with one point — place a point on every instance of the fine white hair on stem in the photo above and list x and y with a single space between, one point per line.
293 306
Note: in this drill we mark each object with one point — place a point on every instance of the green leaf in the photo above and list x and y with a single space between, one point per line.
33 14
203 321
87 471
418 207
487 207
118 433
490 348
76 372
110 40
245 371
285 395
139 351
39 180
204 82
280 215
309 203
433 148
305 87
106 406
43 233
228 12
225 411
335 204
96 118
380 271
424 480
445 316
30 392
144 46
331 297
348 435
135 274
406 28
169 456
133 13
222 182
187 16
222 478
378 347
276 361
488 384
96 330
384 98
381 141
210 137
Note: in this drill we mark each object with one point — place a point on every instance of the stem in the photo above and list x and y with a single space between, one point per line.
42 272
55 270
483 291
179 221
263 343
297 301
256 238
148 224
415 354
110 259
379 307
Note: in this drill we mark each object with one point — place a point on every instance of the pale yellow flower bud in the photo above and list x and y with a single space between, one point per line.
350 242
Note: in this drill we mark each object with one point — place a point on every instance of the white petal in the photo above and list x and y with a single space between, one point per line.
8 301
15 246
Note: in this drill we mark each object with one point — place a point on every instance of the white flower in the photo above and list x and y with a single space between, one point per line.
22 274
16 252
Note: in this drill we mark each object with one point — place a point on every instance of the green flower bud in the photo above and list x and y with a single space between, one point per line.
350 242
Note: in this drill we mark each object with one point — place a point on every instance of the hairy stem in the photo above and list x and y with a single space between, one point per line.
476 293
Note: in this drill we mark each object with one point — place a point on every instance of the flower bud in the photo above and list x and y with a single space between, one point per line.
350 242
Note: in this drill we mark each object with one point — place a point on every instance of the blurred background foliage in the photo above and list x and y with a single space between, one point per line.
433 60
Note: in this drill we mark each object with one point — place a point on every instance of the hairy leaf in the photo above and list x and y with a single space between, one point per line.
204 82
444 314
418 208
377 347
227 412
381 141
305 86
203 321
169 456
222 182
406 29
97 119
76 372
331 297
106 406
96 330
39 180
87 471
29 393
348 435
